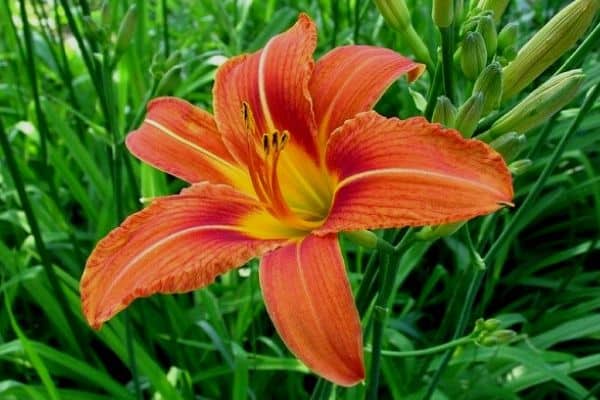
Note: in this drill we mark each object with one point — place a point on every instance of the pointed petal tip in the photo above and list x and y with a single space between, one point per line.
416 72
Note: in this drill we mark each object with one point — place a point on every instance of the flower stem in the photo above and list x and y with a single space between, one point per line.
434 91
447 58
430 350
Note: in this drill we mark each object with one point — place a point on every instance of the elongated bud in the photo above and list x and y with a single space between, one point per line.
396 15
508 35
489 83
443 12
539 105
509 145
106 14
499 337
363 238
170 80
519 167
469 115
126 30
444 112
429 233
473 55
498 7
487 28
548 44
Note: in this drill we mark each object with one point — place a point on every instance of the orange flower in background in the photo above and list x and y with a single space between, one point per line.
292 156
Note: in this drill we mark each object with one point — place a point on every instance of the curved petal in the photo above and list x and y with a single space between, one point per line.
274 83
309 299
394 173
182 140
176 244
351 79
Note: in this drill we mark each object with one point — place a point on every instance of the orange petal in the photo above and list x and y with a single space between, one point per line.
394 173
309 299
178 243
274 82
182 140
351 79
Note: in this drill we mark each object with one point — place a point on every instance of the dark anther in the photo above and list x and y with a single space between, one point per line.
275 139
266 144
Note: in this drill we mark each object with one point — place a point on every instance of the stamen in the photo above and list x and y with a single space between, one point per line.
275 140
265 142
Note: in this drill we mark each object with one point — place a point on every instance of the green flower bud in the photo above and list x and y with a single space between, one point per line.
126 30
510 53
489 83
106 13
491 324
363 238
473 55
498 7
509 145
396 15
170 80
487 28
469 114
499 337
508 35
548 44
443 12
539 105
429 233
444 112
519 167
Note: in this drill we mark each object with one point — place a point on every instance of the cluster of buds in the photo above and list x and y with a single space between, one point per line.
488 333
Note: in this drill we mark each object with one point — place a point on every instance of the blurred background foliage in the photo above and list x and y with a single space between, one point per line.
74 79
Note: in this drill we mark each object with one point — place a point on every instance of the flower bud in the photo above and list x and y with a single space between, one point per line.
508 35
396 15
169 81
443 12
469 114
473 55
491 324
126 30
498 7
539 105
487 28
489 83
106 14
435 232
509 145
519 167
444 112
548 44
363 238
499 337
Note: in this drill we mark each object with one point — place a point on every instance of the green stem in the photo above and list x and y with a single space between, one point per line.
434 91
380 318
430 350
165 27
447 59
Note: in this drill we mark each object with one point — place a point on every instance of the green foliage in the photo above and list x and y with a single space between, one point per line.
74 79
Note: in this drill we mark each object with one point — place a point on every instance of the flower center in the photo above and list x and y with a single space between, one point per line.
263 158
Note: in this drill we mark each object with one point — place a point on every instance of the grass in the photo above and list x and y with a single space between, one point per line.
69 93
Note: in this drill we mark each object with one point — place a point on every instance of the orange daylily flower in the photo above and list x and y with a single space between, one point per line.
292 156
